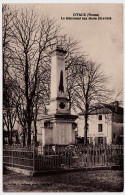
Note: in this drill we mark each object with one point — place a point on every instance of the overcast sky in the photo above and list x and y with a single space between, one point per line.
102 40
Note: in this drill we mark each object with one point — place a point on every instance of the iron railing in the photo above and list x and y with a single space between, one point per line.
61 157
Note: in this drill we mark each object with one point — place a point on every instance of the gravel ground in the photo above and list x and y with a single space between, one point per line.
85 181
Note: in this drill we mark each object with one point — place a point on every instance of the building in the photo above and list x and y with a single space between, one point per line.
105 125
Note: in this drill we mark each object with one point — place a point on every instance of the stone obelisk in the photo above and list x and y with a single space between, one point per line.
58 125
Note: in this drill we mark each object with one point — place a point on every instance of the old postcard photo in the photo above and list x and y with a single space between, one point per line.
62 97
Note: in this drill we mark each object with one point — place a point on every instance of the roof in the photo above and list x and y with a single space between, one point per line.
107 109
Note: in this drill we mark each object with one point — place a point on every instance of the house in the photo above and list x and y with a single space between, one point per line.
105 125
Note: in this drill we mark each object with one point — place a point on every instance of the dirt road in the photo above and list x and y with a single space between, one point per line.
87 181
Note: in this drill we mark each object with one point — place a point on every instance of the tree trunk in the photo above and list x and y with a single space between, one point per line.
29 131
70 104
24 136
85 129
8 133
35 127
28 101
11 136
11 132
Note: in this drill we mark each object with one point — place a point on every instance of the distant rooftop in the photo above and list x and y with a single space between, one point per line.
107 108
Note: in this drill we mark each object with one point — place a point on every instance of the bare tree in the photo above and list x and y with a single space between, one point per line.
119 96
89 90
7 18
9 100
32 40
9 112
72 67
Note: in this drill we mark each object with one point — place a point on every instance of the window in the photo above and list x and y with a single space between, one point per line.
100 117
100 140
99 127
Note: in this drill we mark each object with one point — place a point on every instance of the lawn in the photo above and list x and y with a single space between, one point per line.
84 181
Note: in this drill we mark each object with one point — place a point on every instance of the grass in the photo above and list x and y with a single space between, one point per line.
85 181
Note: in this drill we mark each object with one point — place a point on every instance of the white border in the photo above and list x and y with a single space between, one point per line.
40 1
62 1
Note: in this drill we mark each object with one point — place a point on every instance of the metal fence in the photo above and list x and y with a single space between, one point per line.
62 157
15 156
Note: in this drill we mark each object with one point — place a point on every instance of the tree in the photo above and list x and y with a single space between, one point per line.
72 67
32 39
7 18
9 100
119 96
9 111
89 90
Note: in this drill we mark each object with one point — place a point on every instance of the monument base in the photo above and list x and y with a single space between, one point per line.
59 129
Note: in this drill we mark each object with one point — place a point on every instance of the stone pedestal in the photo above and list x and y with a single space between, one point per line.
59 129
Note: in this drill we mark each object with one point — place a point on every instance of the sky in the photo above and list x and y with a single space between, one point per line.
102 40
